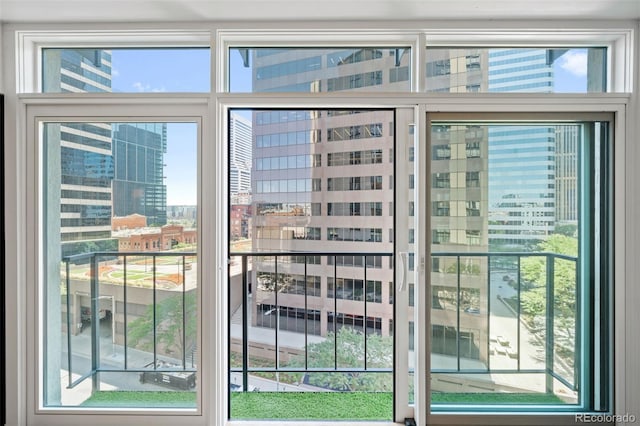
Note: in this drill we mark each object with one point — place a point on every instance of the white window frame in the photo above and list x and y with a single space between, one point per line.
341 101
566 106
22 58
29 46
189 109
228 39
619 42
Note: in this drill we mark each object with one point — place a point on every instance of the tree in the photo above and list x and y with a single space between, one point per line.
350 355
81 247
534 295
169 326
570 230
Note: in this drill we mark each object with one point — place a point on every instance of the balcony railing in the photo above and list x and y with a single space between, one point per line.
326 263
94 313
455 275
564 368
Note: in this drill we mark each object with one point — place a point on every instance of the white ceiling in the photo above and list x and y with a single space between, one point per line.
296 10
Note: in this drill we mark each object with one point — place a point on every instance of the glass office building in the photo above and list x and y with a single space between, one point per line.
116 169
85 150
138 186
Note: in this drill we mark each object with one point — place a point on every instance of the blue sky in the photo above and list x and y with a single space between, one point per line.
570 72
177 70
240 80
161 70
174 70
188 70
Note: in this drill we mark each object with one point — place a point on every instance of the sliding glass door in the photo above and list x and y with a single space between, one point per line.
520 214
318 262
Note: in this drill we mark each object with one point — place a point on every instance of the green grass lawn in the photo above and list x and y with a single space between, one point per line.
312 405
494 398
146 399
356 405
133 276
306 405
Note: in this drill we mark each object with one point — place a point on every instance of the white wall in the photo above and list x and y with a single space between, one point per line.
12 260
632 322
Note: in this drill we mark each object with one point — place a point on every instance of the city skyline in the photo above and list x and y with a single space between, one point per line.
167 76
326 180
168 70
305 200
130 75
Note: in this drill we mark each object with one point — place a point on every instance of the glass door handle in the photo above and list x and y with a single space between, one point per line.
402 285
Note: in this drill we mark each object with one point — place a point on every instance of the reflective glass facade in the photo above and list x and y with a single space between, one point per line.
523 70
138 187
132 183
321 69
547 153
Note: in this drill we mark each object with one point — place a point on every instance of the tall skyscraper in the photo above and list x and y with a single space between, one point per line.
323 181
459 210
239 154
138 186
459 199
566 174
107 169
523 211
522 178
84 150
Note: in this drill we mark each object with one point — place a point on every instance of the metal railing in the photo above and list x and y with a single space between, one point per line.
551 359
329 263
363 261
547 339
94 260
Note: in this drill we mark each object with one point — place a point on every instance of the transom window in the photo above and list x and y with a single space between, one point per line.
516 69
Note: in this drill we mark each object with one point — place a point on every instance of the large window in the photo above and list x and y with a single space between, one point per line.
218 249
517 301
120 255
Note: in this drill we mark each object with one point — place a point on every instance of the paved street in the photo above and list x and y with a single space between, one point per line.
112 356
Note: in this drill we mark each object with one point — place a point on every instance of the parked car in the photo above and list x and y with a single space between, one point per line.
85 314
183 380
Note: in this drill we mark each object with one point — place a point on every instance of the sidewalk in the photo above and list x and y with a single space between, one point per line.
267 336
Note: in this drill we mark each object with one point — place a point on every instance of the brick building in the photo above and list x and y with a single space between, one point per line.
154 239
132 221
